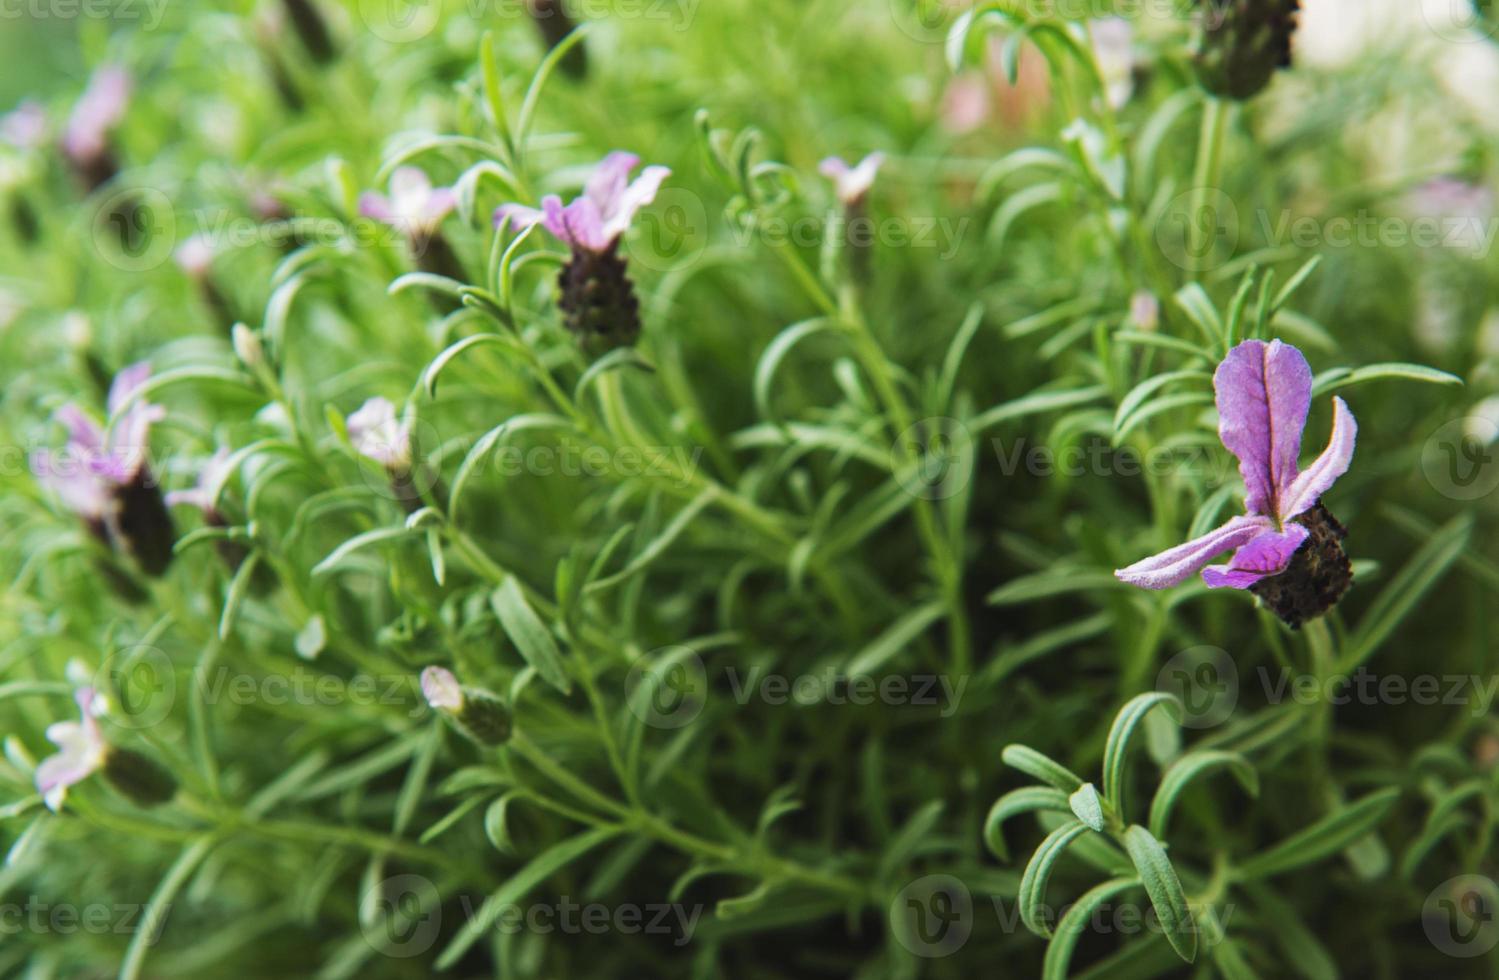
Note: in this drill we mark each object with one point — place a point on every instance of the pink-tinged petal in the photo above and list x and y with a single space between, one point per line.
97 111
409 182
852 183
84 434
440 203
441 689
25 127
554 218
640 193
584 226
81 752
378 434
1318 478
126 382
1176 565
81 490
607 184
1268 554
376 207
1264 392
518 216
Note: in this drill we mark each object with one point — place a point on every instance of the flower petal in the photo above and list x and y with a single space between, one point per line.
636 196
607 184
376 432
125 384
84 434
1268 554
583 225
518 216
1177 564
376 206
441 689
1310 485
1264 392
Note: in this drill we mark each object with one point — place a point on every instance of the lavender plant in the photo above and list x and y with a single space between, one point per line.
746 587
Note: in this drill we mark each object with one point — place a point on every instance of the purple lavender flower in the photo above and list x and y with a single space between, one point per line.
1264 392
81 751
598 299
103 477
415 209
378 434
852 183
594 221
95 114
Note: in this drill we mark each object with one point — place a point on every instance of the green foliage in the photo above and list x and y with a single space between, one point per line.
800 615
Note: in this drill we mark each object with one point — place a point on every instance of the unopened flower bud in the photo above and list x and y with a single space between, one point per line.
247 347
138 778
477 714
1243 43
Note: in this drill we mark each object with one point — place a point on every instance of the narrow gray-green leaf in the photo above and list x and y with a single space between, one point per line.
1190 767
1087 806
1121 733
529 634
1023 800
1164 889
1075 922
1033 909
1042 767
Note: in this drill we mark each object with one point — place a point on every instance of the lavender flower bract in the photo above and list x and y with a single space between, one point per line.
1264 391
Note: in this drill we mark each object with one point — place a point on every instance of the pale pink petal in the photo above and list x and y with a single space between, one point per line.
441 689
606 185
126 382
84 434
640 193
1268 554
97 111
74 481
584 225
1176 565
852 183
1263 394
1310 485
554 218
81 752
378 434
376 207
517 216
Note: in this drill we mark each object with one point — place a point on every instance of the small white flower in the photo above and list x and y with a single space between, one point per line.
852 183
378 434
82 751
442 690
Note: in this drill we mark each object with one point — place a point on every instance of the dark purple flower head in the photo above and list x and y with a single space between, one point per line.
97 111
415 208
1264 393
95 462
594 221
